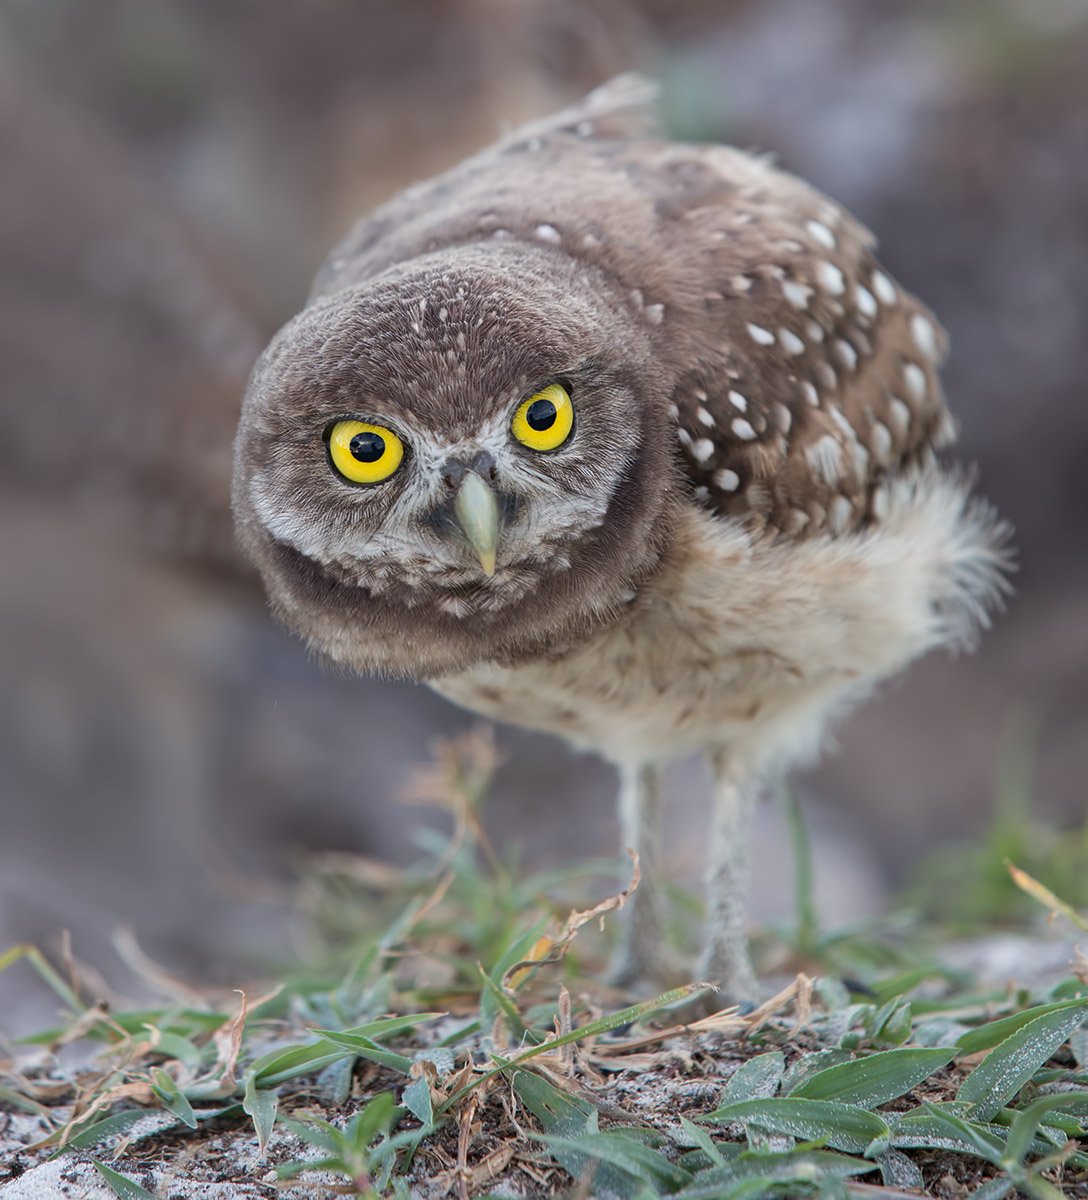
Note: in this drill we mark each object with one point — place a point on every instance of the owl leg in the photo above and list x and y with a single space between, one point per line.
725 948
641 953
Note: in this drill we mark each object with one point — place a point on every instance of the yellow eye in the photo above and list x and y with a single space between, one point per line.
544 421
364 453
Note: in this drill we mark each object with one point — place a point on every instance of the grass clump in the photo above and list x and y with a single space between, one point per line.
449 1036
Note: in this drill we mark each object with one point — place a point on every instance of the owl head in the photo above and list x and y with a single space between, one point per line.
463 459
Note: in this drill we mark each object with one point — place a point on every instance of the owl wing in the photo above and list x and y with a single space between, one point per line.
811 379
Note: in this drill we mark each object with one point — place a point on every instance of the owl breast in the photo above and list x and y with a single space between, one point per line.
750 646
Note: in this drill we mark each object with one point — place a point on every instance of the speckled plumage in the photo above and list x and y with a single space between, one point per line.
748 528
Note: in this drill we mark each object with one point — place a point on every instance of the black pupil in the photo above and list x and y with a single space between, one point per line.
367 447
541 415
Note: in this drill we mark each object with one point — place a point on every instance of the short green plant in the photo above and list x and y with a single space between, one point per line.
876 1070
364 1151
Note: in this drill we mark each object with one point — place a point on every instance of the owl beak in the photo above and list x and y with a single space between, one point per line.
477 511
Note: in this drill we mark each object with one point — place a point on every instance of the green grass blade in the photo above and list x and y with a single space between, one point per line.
388 1025
121 1185
557 1112
367 1048
839 1125
278 1066
109 1126
1005 1070
45 970
777 1164
876 1078
899 1171
374 1119
625 1016
719 1184
756 1079
932 1128
172 1045
493 1000
260 1104
993 1189
994 1032
416 1098
631 1156
1027 1122
25 1104
165 1087
703 1141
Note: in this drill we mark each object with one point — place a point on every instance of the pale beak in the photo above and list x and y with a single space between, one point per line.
477 511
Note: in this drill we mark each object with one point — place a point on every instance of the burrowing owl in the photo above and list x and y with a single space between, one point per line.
627 440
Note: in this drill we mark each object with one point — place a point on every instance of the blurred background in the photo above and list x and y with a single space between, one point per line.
171 175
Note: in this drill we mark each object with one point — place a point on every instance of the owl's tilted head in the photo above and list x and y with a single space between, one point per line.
465 458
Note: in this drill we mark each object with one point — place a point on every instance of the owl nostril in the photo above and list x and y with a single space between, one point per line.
484 466
481 463
453 473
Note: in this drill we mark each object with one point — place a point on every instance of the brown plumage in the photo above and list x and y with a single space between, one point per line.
746 527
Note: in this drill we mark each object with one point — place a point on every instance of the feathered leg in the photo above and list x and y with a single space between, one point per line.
725 958
640 954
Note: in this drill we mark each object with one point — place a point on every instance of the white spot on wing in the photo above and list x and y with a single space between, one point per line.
915 379
758 334
727 480
820 233
738 401
705 415
742 429
839 512
925 336
790 342
881 441
847 355
884 288
548 233
899 415
797 293
825 458
812 396
702 449
829 277
654 313
866 301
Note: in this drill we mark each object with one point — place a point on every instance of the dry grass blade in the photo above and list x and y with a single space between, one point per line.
464 1136
554 950
727 1020
1040 892
228 1045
